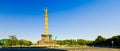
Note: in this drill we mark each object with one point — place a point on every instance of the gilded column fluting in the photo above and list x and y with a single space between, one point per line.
46 21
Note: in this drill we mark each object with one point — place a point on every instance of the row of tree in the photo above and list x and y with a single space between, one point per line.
13 41
99 41
74 42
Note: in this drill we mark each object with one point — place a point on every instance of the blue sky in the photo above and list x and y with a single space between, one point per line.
68 19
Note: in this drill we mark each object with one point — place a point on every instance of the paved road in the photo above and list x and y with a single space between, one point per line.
58 49
30 49
90 49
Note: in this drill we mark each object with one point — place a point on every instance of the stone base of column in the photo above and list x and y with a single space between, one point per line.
46 40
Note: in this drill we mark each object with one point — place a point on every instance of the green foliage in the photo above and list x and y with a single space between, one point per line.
116 40
25 42
12 37
90 43
6 42
100 40
74 42
82 42
13 41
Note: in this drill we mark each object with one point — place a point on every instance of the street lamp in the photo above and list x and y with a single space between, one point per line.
112 43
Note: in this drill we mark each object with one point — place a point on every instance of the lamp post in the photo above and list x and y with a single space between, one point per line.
76 42
112 43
